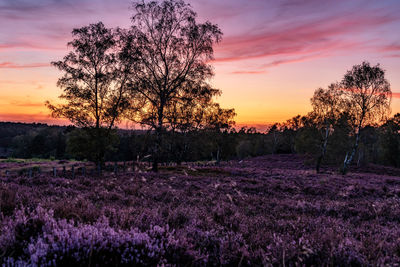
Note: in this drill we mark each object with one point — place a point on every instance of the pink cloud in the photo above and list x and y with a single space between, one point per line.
10 65
326 34
249 72
293 60
27 104
278 62
396 95
395 47
36 117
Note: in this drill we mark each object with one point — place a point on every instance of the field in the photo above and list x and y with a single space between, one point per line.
271 210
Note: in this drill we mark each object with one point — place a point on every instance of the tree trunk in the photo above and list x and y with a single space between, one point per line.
100 142
156 151
323 150
218 156
349 159
158 144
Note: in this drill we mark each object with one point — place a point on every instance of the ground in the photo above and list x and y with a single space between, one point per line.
271 210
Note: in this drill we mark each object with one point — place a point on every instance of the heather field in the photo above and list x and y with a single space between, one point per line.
271 211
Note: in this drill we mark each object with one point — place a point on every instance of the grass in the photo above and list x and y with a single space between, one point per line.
12 160
16 160
34 160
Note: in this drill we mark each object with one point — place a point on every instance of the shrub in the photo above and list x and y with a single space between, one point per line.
39 239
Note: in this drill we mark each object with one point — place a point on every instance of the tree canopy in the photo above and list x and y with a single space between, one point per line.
175 51
95 82
368 97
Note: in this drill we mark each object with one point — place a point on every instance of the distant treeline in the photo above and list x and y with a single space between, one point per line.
32 140
379 144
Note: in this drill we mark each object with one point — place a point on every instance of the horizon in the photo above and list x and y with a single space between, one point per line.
261 128
267 67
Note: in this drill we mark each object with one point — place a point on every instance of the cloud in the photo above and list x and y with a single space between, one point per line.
393 50
322 34
293 60
10 65
305 30
396 94
47 24
262 68
13 82
27 104
249 72
32 117
394 47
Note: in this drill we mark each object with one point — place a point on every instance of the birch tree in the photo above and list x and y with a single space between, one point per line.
175 51
96 77
327 106
368 95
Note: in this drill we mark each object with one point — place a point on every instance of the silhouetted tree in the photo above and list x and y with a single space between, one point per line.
185 117
368 95
390 141
327 107
308 137
81 146
217 121
175 52
96 78
289 130
274 132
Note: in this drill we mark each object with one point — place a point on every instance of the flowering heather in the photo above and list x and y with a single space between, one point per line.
270 210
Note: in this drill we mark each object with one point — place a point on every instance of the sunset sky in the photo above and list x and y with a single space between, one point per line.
274 53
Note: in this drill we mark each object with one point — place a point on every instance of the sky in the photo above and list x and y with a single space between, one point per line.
273 56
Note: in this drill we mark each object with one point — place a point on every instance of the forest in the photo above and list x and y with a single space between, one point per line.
299 135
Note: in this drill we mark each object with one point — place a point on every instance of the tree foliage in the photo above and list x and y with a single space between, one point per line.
328 106
95 81
175 51
368 95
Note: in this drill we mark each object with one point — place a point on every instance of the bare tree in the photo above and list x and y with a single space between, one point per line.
95 82
327 106
368 95
175 52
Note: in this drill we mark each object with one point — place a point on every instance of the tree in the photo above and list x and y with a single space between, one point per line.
81 146
327 107
95 82
174 57
274 131
308 137
368 95
290 129
185 118
390 141
218 121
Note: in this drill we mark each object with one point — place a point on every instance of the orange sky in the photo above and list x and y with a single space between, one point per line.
272 58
